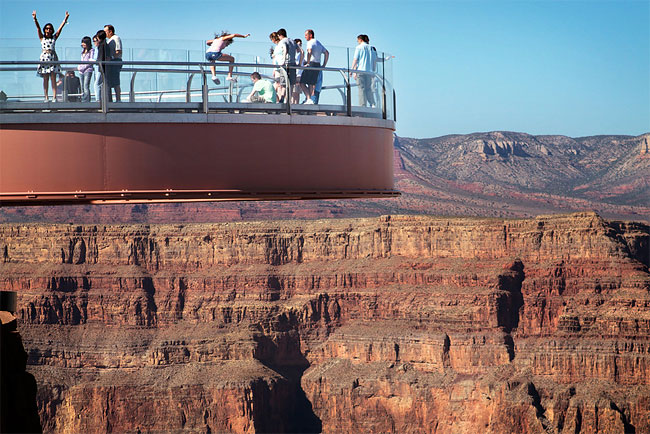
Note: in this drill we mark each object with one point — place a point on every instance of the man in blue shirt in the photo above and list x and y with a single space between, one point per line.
363 61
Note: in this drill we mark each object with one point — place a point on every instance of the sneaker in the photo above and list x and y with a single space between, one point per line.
46 100
216 80
309 101
233 79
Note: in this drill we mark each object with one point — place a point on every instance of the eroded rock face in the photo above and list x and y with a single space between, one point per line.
396 324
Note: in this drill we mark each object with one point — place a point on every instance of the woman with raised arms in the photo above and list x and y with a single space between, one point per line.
48 42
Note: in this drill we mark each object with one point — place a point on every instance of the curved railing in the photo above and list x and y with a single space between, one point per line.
187 94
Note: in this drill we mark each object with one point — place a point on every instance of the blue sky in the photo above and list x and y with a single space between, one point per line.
543 67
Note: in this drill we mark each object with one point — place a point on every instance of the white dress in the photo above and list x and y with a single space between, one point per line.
48 54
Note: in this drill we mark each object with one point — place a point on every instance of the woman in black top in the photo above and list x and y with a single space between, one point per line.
102 56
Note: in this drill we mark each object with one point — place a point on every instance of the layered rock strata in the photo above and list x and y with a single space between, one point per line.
393 324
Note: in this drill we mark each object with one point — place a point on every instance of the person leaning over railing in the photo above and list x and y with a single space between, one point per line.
86 70
48 42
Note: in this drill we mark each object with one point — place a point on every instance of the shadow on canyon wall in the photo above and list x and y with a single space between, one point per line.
299 415
18 409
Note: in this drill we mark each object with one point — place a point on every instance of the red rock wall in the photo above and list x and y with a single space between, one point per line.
397 324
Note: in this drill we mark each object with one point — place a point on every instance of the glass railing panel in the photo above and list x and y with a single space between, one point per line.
24 86
384 84
155 86
332 89
156 83
368 87
333 82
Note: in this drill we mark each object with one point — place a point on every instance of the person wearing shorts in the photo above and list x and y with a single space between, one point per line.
288 50
277 57
214 54
309 76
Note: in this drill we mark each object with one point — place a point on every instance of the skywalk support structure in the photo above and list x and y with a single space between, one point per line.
63 152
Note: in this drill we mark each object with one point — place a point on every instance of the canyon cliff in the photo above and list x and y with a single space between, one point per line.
389 324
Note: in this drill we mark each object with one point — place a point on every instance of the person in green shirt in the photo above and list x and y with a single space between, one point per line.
263 90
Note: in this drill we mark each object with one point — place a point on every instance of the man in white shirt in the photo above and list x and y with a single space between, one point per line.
115 48
288 52
310 76
364 61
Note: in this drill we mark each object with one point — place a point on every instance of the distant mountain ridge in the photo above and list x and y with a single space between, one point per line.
601 167
498 174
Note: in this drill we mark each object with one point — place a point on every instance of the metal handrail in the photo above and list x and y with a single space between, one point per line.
162 63
154 63
163 67
131 90
348 93
188 89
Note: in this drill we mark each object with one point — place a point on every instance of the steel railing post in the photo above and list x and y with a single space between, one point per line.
132 90
287 97
231 85
104 96
64 97
383 85
204 91
349 88
188 88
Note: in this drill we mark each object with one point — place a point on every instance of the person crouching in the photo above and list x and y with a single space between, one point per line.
263 90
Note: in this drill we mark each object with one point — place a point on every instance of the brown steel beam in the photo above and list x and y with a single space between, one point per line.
91 162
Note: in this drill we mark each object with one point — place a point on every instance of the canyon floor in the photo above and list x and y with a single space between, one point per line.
402 324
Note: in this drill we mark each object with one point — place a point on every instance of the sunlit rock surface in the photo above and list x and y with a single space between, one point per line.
391 324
